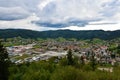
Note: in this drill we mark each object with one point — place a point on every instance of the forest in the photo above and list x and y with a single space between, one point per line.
88 34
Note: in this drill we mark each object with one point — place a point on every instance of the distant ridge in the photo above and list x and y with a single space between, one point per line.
87 34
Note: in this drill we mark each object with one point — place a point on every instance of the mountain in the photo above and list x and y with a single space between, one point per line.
88 34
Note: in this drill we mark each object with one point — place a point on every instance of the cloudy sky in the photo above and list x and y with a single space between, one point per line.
60 14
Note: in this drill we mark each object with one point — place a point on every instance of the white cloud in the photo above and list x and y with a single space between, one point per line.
60 12
30 5
13 13
43 3
22 24
106 27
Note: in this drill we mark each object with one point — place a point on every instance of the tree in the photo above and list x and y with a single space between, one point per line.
68 73
93 62
70 57
4 63
118 49
82 60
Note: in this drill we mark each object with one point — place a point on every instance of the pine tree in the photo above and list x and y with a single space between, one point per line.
118 49
93 63
4 63
70 57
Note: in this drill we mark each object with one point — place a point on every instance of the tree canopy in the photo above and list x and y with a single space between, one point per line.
4 63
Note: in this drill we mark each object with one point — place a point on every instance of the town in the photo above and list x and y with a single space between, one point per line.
45 49
53 59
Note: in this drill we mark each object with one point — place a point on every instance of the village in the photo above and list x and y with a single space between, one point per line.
48 49
94 57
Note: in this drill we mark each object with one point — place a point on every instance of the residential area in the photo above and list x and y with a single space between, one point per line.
44 50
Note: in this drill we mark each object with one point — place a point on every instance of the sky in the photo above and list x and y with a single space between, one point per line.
42 15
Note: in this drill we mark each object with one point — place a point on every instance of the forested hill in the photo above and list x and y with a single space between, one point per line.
88 34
